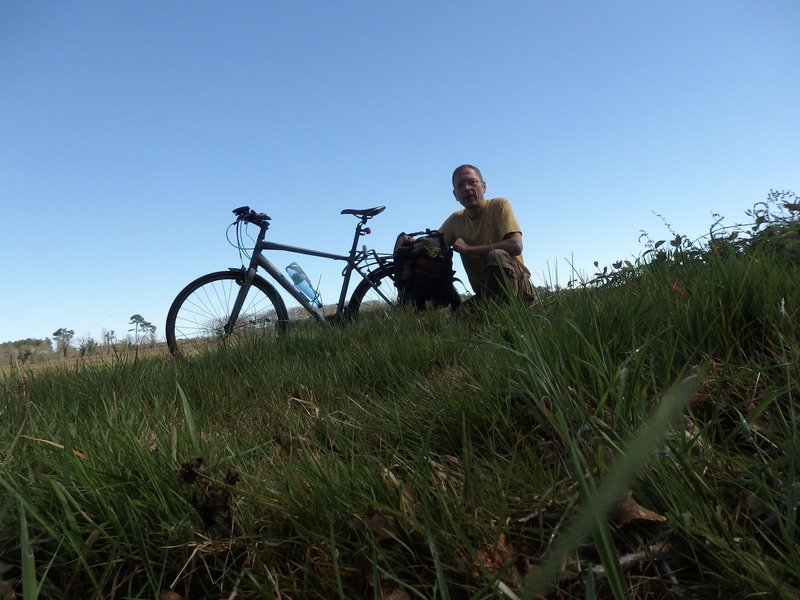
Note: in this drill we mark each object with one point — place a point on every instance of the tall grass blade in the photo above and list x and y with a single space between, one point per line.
634 456
441 578
191 428
30 587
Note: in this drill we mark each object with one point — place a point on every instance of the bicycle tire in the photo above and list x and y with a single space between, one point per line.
379 292
198 314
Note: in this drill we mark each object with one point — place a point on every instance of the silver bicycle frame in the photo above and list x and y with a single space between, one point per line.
259 260
286 283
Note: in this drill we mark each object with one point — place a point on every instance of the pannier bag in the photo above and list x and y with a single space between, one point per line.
423 269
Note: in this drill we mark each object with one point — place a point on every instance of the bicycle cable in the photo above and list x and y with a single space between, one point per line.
239 243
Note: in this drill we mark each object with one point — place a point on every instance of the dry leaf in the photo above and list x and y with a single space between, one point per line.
390 590
628 510
7 591
493 559
288 445
407 501
383 526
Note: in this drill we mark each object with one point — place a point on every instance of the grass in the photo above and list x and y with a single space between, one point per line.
635 439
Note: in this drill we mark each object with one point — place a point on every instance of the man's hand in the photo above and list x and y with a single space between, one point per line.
460 246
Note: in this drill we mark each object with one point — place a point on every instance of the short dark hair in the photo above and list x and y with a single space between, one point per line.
461 168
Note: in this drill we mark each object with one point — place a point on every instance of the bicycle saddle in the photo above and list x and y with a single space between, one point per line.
365 212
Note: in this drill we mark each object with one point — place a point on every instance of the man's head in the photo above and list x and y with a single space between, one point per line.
469 188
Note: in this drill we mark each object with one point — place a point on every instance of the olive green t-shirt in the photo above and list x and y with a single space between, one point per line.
494 224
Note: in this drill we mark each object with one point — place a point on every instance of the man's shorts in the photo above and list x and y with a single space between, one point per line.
518 276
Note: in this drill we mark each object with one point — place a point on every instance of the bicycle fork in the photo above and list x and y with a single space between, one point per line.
244 288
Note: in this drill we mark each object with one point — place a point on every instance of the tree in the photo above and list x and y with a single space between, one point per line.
152 333
63 337
25 350
142 328
87 345
110 337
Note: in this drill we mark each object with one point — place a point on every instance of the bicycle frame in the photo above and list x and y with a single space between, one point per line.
357 260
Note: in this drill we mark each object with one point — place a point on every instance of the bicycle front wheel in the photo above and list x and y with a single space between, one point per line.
198 317
378 292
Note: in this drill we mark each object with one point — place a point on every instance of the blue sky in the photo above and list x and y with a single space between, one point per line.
130 130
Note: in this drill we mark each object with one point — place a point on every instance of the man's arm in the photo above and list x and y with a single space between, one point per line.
511 243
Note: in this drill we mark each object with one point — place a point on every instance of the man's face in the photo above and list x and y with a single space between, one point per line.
469 190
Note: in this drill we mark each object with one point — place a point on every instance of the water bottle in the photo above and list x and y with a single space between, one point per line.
303 283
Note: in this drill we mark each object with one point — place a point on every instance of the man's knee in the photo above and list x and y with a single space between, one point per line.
503 271
500 265
500 259
499 272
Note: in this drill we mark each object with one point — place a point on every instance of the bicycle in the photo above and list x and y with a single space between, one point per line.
238 302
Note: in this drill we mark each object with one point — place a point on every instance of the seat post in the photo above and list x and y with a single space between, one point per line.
363 216
359 232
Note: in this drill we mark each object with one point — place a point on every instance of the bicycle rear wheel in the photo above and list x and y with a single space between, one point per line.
197 318
377 293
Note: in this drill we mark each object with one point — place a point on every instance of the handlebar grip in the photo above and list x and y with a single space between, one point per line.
257 217
245 213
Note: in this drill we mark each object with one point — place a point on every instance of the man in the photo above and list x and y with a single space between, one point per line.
487 236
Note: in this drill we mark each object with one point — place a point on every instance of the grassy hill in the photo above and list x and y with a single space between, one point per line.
636 437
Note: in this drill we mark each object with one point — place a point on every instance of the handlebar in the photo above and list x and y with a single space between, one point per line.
248 215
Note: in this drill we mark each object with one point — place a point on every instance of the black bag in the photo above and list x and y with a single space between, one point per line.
423 269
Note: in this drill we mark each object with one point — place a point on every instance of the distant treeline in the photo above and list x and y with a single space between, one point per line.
26 349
